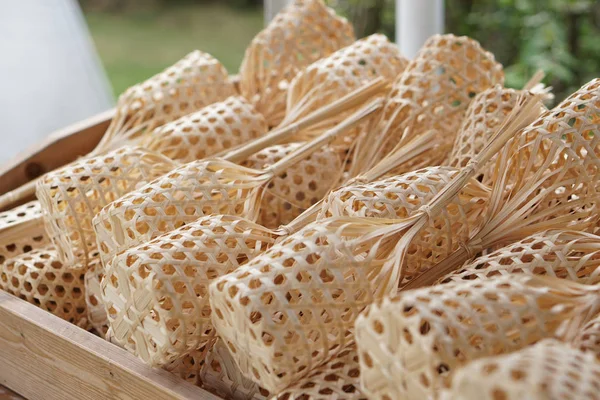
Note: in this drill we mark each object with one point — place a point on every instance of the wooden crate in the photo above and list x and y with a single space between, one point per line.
44 357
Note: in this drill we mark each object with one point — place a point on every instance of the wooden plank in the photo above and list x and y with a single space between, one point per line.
60 148
43 357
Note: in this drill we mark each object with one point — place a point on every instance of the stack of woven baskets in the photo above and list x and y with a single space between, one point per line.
340 223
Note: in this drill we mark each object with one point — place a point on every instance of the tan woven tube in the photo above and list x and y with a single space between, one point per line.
156 294
302 185
221 376
40 278
338 378
588 338
21 230
547 370
192 83
562 254
72 195
432 95
188 367
547 179
302 33
411 344
215 128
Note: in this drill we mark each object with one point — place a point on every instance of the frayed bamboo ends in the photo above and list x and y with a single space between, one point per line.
73 195
156 294
221 376
40 278
96 312
484 115
547 370
21 230
290 193
432 95
570 255
302 33
338 378
410 345
192 83
215 128
338 74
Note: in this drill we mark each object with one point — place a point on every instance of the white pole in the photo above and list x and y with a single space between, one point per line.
416 21
272 7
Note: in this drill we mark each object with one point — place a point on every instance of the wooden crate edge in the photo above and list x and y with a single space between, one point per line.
44 357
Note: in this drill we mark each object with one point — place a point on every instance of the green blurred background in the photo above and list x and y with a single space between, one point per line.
138 38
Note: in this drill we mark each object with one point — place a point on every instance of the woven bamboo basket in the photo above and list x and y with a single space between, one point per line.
96 312
156 294
344 263
21 230
299 187
410 345
432 95
73 195
213 129
39 277
562 254
302 33
221 376
213 186
547 370
557 188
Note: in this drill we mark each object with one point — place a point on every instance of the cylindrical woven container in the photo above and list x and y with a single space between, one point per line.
221 376
72 195
562 254
410 345
336 75
485 114
303 184
547 178
40 278
432 95
588 338
305 31
21 230
189 366
96 312
339 378
192 83
215 128
156 294
547 370
199 188
303 294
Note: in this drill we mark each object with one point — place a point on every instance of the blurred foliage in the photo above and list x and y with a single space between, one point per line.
560 37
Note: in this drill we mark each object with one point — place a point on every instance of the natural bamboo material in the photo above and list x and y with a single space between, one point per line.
548 178
189 366
156 294
73 195
96 312
40 278
547 370
484 115
21 230
206 187
221 376
302 33
299 187
190 84
302 295
562 254
336 75
339 378
215 128
410 345
432 94
588 338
